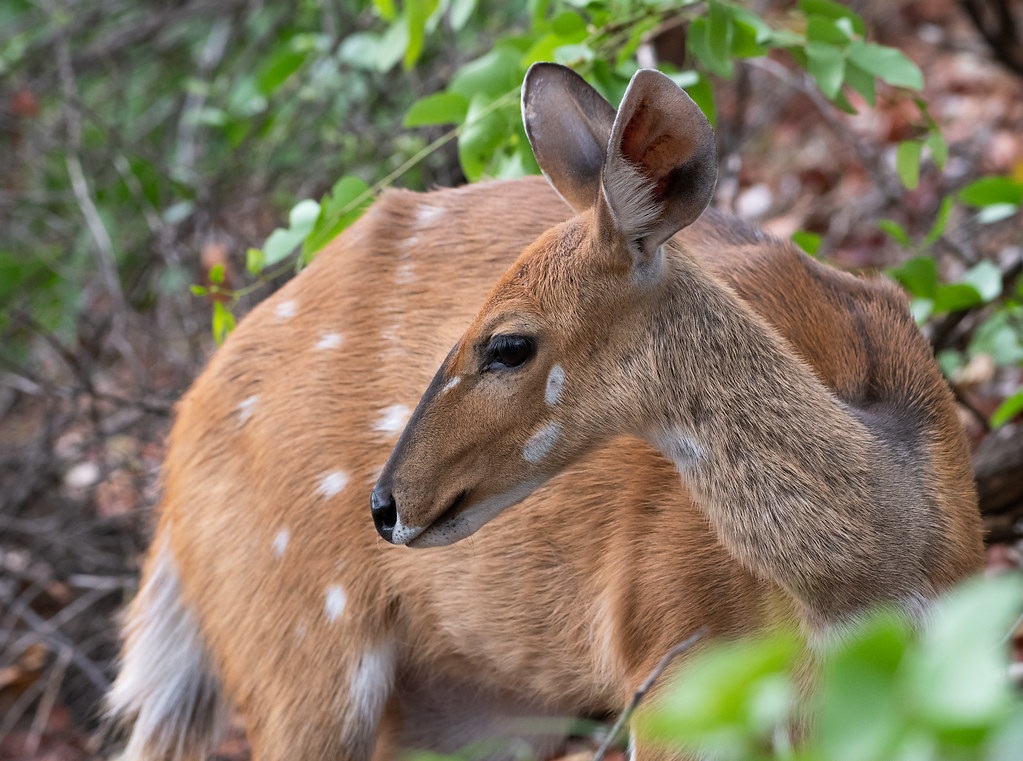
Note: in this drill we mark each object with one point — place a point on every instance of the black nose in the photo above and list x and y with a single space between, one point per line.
385 512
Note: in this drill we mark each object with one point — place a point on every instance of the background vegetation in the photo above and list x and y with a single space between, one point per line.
163 166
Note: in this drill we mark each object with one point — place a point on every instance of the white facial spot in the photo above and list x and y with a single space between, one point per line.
329 341
392 419
541 442
555 384
451 384
332 483
286 310
334 603
280 542
405 273
245 408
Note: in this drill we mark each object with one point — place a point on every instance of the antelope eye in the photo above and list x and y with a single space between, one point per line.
508 351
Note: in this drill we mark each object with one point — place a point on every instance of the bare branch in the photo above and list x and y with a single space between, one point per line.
644 688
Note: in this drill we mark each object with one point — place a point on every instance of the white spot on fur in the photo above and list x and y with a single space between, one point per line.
451 384
541 443
300 631
555 385
370 685
329 341
332 483
246 407
682 449
628 193
167 689
427 215
603 630
286 309
334 603
393 418
280 542
405 273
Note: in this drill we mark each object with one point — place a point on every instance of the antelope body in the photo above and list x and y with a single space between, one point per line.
741 436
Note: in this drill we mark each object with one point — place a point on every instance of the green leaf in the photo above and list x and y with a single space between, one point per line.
1000 337
393 44
217 273
698 42
1008 409
684 79
833 10
415 21
827 66
959 678
938 147
988 191
986 278
858 706
921 309
907 162
860 81
280 245
996 213
199 290
483 132
745 40
896 231
719 32
255 261
722 697
919 276
809 242
956 297
491 75
460 12
385 8
940 222
345 203
887 64
763 31
223 322
303 215
568 24
279 68
537 11
572 55
703 96
823 29
439 108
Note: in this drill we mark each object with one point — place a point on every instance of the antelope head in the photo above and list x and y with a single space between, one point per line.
561 356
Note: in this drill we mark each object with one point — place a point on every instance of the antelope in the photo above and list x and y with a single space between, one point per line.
660 419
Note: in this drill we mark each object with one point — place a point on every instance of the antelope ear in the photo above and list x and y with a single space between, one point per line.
661 165
568 124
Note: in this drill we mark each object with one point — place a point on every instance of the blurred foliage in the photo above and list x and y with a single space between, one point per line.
882 692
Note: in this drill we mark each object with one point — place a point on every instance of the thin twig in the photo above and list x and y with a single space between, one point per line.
46 703
644 688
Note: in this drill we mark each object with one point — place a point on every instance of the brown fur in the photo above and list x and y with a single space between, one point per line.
562 604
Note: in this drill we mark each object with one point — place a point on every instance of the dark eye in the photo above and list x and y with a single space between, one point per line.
508 351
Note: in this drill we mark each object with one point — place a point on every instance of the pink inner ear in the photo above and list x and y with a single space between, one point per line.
653 147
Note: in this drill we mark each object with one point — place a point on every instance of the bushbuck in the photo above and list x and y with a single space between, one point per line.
660 419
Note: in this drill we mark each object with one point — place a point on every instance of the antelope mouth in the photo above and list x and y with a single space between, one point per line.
452 510
443 529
